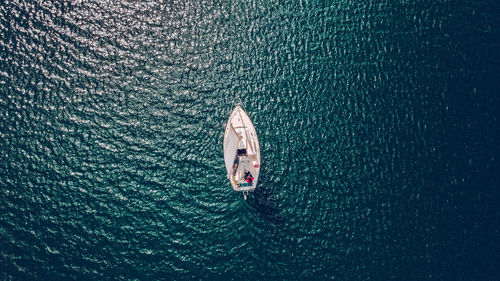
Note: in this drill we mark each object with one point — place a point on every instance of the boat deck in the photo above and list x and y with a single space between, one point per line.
243 169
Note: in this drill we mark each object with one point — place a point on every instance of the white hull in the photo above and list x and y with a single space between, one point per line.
241 151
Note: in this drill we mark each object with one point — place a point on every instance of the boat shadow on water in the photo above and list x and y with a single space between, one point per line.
264 202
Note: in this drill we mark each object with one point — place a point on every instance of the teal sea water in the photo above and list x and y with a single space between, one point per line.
378 123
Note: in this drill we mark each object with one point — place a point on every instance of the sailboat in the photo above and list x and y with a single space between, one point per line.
241 152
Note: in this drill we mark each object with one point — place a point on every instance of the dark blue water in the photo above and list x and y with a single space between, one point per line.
378 123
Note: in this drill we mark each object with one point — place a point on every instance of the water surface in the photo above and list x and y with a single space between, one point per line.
378 124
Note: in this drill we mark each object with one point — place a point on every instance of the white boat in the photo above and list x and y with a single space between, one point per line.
241 152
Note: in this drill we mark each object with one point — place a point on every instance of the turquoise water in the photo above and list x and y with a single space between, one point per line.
378 125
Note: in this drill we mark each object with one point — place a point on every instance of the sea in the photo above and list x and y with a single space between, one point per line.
378 123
